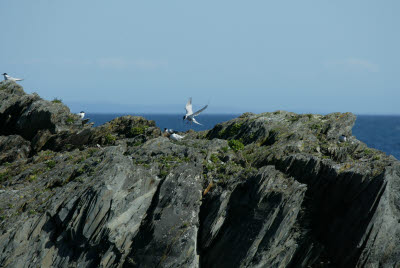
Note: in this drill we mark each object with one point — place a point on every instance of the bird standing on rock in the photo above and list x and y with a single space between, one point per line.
169 131
7 77
81 114
176 137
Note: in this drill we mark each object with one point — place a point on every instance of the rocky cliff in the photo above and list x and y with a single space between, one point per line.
263 190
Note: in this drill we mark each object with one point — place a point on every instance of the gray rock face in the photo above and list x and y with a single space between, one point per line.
262 190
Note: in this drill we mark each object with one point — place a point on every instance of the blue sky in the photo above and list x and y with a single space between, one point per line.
237 56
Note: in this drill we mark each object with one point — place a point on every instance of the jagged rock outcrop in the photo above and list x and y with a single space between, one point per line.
262 190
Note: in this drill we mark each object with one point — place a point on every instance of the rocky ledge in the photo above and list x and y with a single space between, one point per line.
262 190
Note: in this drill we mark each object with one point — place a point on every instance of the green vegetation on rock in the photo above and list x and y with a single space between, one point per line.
234 129
110 138
56 100
214 158
4 176
138 130
50 164
70 120
235 145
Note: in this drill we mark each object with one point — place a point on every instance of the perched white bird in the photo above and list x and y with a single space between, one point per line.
169 131
7 77
176 137
342 138
189 112
81 114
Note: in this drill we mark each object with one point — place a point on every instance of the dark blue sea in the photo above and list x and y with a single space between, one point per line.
377 131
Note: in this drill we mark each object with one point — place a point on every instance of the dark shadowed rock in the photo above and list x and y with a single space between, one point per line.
262 190
12 148
24 114
265 207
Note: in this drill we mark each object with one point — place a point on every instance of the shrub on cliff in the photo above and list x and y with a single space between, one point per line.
235 145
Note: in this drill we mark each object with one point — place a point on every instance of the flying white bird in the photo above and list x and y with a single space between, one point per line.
81 114
176 137
189 112
7 77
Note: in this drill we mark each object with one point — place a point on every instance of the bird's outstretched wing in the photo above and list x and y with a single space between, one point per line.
199 111
194 121
18 79
188 107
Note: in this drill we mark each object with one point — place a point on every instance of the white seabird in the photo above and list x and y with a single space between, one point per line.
169 131
189 112
81 114
176 137
7 77
342 138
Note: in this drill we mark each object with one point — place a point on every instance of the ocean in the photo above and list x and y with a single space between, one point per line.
381 132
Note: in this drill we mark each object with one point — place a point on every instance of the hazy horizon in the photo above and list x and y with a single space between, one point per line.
115 108
177 109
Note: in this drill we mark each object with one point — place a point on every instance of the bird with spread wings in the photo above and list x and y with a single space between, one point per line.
189 112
